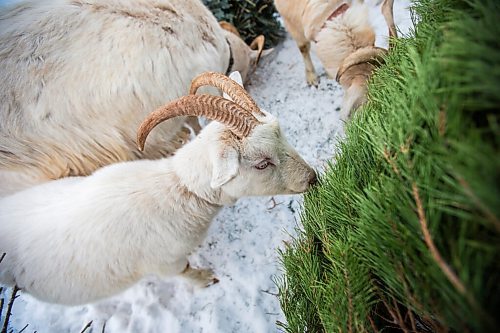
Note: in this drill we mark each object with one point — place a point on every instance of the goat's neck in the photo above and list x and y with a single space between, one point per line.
194 169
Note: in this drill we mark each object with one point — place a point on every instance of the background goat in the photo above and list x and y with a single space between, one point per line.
78 239
344 40
77 77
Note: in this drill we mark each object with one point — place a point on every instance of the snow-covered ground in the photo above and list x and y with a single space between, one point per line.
243 240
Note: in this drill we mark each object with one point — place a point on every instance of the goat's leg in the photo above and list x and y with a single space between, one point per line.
387 11
311 76
296 30
201 277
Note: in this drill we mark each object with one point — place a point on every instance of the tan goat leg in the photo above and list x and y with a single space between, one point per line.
387 12
311 77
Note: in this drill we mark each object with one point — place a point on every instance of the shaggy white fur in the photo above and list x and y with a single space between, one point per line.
78 76
79 239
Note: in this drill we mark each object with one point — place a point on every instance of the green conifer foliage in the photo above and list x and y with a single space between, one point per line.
404 232
250 17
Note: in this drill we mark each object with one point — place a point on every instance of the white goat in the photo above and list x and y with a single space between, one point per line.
76 240
77 76
344 40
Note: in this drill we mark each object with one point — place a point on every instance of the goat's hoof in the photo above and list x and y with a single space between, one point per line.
201 277
313 80
214 281
206 278
207 281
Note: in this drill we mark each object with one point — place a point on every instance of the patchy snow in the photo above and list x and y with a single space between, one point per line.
242 242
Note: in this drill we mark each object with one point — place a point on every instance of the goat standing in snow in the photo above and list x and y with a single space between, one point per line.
344 40
79 239
78 76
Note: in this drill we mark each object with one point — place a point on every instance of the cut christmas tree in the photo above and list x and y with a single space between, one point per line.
403 232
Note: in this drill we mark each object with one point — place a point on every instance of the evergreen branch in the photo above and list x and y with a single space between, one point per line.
398 313
400 272
385 318
349 298
488 213
432 111
372 324
412 320
434 325
393 315
442 122
452 277
409 295
389 160
396 316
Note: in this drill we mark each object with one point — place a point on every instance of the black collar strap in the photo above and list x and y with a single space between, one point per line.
231 59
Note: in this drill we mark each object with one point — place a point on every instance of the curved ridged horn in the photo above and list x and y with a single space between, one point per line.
212 107
229 27
258 44
388 13
230 87
369 54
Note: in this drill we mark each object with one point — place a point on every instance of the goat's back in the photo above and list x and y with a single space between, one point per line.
79 76
343 35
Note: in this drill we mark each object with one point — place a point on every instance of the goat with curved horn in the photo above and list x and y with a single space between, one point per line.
234 116
118 205
41 136
344 40
228 86
246 57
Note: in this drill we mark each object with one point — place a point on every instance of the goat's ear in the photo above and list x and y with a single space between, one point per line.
235 76
255 55
225 166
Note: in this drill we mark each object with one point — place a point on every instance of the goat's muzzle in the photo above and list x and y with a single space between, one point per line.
313 179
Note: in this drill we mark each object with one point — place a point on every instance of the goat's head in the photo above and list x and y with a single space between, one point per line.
245 57
246 147
354 73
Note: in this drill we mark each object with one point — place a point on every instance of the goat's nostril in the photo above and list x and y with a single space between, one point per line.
313 180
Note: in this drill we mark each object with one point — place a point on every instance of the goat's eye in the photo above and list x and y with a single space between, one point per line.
262 165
